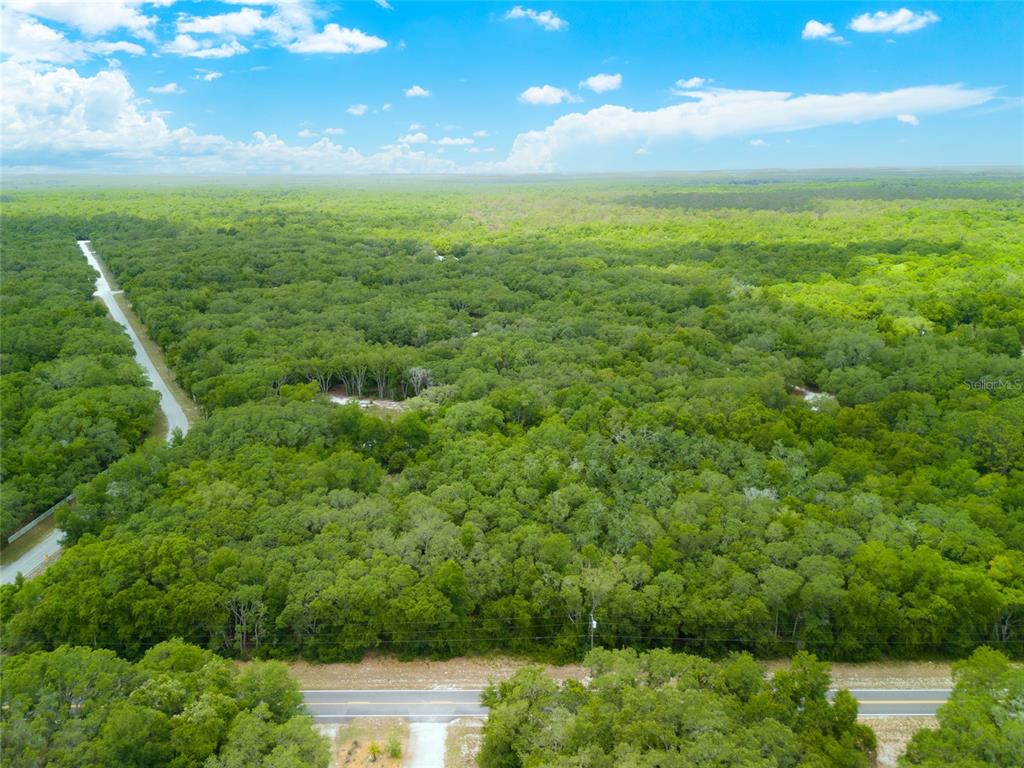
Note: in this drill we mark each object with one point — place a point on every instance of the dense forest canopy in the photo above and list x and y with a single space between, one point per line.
179 706
667 710
72 398
712 417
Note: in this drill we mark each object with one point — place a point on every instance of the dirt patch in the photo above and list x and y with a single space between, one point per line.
338 396
894 733
371 743
465 736
384 672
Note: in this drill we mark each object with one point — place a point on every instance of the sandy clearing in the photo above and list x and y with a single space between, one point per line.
893 735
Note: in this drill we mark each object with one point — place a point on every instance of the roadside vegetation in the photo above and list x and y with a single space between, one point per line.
983 722
72 398
667 709
178 706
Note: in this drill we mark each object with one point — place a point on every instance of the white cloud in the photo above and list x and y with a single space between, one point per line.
334 131
207 75
24 39
305 133
185 45
602 83
908 119
91 18
758 143
414 138
720 112
169 88
385 108
416 91
385 5
448 141
335 39
691 82
546 19
243 23
479 150
106 48
545 95
481 134
357 109
54 117
415 126
899 22
816 30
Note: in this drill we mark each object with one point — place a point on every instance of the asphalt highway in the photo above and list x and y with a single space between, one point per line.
440 706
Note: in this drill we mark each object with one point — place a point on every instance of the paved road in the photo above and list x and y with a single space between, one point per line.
887 702
417 706
34 559
176 418
445 705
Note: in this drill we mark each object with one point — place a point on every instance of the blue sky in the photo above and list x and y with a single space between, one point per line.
366 87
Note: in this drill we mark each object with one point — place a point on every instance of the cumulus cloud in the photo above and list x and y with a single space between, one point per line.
416 91
243 23
721 112
305 133
357 109
89 18
334 131
207 75
52 115
169 88
816 30
898 22
414 138
186 45
602 83
24 39
449 141
545 19
758 143
908 119
481 134
336 39
545 95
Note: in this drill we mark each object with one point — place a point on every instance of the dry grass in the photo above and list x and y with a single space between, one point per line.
893 735
353 743
465 736
383 672
886 674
